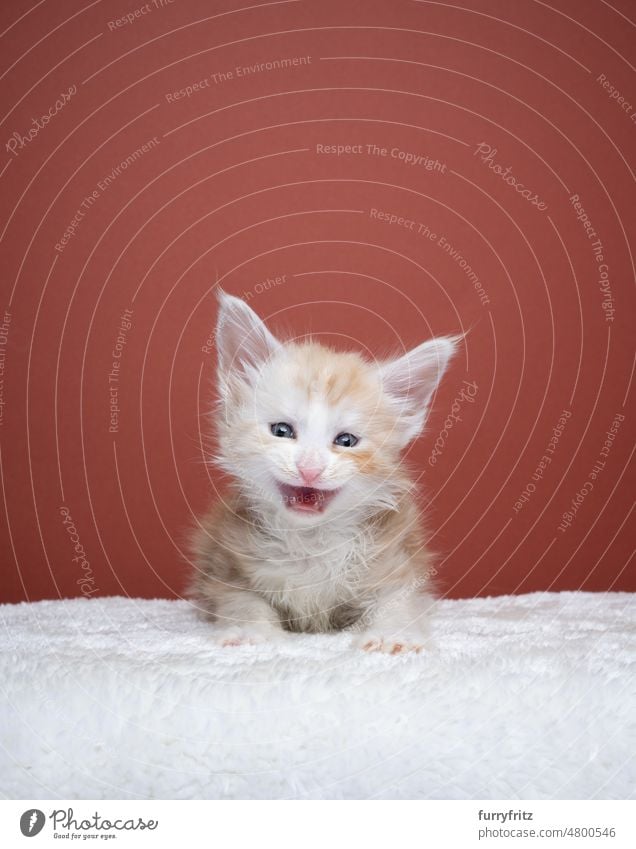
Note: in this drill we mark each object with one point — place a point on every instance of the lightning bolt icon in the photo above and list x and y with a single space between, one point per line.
32 821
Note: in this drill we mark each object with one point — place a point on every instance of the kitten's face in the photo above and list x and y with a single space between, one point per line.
311 432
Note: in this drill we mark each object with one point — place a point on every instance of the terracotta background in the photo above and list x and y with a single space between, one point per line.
235 186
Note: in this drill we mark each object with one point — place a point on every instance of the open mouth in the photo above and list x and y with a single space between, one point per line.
306 499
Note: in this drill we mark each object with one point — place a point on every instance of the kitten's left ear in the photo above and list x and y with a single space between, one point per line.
243 342
411 380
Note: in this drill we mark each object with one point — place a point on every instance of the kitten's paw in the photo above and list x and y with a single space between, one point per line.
390 645
229 637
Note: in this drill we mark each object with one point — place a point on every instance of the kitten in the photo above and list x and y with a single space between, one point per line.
323 532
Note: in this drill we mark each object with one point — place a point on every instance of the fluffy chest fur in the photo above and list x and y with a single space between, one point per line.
317 582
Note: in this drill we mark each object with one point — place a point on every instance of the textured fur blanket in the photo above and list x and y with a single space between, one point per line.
517 697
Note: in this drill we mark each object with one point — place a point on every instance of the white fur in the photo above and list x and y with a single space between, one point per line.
310 572
517 697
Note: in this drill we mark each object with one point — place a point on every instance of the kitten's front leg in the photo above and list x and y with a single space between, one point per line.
244 618
396 623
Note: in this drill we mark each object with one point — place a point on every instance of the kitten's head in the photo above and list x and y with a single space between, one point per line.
311 432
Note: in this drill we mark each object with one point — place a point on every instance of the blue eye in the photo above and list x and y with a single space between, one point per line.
346 440
283 429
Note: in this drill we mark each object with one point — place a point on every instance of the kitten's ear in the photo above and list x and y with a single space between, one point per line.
411 380
243 342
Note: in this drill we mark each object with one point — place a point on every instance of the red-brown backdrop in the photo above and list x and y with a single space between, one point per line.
487 186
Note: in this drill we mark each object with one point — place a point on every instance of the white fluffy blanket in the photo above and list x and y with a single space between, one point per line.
516 697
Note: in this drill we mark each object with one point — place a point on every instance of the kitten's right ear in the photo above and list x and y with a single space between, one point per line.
243 342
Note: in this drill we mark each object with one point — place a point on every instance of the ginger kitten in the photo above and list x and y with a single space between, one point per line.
322 533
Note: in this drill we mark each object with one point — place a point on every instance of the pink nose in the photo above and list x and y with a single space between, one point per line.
309 473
